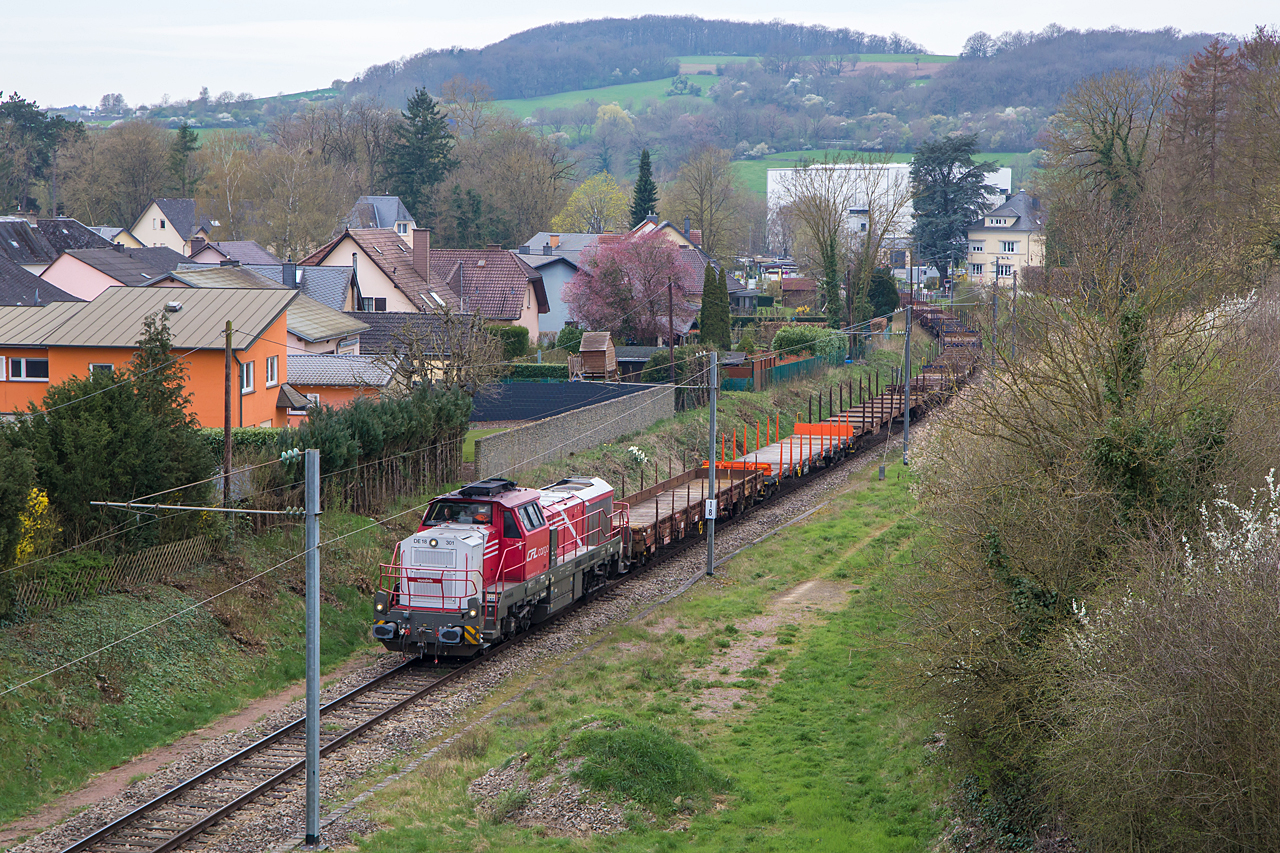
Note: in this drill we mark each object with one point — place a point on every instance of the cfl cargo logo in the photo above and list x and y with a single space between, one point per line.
535 553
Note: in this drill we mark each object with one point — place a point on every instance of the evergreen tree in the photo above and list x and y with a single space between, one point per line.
714 323
950 193
185 143
645 198
418 157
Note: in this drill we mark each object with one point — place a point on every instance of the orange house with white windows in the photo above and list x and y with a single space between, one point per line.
43 346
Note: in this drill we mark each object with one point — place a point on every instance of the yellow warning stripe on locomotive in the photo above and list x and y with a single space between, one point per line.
470 634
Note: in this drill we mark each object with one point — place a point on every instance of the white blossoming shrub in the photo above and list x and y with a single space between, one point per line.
1169 731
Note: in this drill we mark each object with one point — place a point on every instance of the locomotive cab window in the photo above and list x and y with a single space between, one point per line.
509 529
531 516
461 512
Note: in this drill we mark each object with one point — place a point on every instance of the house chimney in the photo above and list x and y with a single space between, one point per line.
422 253
554 241
687 226
546 248
289 274
197 246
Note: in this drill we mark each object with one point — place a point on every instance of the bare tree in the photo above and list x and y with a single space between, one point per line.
446 347
708 191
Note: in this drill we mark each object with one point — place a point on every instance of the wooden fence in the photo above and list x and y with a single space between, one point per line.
150 565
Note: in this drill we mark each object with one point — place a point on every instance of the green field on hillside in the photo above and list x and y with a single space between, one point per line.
862 57
621 94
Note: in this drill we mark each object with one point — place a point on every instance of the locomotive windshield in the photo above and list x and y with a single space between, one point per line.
460 512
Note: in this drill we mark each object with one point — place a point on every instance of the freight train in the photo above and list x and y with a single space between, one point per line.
493 558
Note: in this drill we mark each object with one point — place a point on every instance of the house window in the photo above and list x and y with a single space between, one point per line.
314 398
154 226
1009 246
976 269
100 367
29 369
272 376
379 303
1004 270
246 377
995 222
402 228
266 424
976 248
161 224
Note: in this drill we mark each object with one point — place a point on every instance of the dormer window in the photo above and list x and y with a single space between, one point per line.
402 228
997 221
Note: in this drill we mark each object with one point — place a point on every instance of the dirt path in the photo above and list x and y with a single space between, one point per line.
114 781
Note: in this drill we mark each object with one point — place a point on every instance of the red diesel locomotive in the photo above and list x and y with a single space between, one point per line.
493 558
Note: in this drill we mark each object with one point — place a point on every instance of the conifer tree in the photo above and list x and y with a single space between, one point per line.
645 198
714 323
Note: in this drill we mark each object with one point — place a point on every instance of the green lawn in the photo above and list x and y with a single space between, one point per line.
621 94
770 721
469 443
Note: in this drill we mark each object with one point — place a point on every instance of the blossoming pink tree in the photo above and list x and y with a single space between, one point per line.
621 287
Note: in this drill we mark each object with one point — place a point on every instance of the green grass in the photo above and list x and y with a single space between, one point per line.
181 674
815 755
469 443
622 94
862 57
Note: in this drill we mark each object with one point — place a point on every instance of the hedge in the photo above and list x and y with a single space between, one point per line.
794 339
538 371
259 438
514 339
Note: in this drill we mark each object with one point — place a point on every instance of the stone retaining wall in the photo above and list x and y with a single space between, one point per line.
504 454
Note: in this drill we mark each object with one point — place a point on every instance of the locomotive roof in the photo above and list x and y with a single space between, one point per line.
511 496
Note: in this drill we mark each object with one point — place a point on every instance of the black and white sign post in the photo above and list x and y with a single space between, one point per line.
711 474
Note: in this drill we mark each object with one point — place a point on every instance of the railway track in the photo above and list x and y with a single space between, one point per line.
272 767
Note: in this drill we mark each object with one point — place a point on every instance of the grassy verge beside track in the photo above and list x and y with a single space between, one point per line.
770 673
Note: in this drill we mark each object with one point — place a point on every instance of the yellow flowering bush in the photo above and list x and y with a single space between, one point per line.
39 528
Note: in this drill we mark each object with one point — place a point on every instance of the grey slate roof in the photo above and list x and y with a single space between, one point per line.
217 276
23 244
327 285
245 251
107 232
1025 212
641 354
384 327
114 318
338 370
376 211
288 398
131 266
66 233
20 287
181 213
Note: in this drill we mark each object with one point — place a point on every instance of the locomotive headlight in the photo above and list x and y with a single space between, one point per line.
378 607
473 608
434 543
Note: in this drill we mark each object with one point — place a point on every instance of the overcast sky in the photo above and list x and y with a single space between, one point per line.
74 51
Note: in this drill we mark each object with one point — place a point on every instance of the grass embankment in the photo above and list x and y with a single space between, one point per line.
756 699
678 443
182 673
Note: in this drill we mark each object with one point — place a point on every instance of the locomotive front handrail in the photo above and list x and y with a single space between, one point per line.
403 597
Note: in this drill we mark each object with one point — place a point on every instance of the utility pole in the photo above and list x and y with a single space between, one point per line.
906 396
1013 319
226 427
994 310
312 461
671 333
711 474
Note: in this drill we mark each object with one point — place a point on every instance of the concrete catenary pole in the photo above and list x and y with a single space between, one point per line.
313 645
711 473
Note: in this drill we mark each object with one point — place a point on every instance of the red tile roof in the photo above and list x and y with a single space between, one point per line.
489 281
394 258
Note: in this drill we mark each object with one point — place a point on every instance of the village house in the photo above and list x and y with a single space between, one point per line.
241 251
43 346
172 223
86 273
19 287
1007 239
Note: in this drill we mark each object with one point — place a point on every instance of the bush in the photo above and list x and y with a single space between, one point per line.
570 338
265 439
805 339
538 371
514 339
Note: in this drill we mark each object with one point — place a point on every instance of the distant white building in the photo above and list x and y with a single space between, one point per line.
865 186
